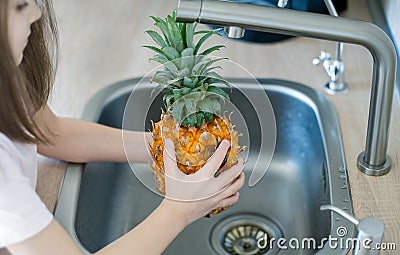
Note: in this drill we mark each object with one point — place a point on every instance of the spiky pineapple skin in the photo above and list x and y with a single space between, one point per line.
193 146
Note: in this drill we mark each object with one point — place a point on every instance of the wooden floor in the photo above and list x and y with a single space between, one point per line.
101 44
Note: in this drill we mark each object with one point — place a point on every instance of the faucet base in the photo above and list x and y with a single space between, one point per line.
373 170
334 89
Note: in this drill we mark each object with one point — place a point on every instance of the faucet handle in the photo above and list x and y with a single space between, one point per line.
370 231
324 56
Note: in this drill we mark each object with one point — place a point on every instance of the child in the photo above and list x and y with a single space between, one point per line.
27 126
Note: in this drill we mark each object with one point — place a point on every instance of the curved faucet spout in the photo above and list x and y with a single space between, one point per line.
373 160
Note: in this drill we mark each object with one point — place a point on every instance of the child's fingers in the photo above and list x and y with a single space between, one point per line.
226 177
229 200
216 160
233 187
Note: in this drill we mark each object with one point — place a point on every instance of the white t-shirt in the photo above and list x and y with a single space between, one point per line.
22 213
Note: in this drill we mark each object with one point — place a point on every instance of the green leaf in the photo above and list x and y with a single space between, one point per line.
183 29
175 82
186 91
199 119
162 25
159 51
187 82
168 100
177 110
164 74
199 67
185 122
177 62
214 75
217 30
188 62
214 60
184 73
209 116
198 59
171 67
171 53
216 106
191 120
160 60
158 20
190 31
159 80
158 87
190 103
214 79
202 40
174 14
177 94
188 52
157 38
201 83
187 59
208 70
175 33
210 104
218 91
212 49
201 32
205 105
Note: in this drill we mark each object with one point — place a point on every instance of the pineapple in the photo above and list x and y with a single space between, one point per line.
192 118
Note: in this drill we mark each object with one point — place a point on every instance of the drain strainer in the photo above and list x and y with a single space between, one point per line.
244 234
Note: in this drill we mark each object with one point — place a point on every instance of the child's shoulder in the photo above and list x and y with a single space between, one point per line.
13 147
16 157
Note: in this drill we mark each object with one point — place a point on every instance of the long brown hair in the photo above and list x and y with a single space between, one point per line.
25 89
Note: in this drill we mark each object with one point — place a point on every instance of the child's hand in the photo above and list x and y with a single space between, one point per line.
193 196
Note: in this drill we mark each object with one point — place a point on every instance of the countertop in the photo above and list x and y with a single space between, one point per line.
101 43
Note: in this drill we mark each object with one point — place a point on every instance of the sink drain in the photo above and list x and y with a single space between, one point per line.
240 235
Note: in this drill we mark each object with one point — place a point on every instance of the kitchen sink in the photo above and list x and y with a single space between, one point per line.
99 202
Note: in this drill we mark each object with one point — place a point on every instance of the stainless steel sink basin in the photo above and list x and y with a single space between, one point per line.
99 202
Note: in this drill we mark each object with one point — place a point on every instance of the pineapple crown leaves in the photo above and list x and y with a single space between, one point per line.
191 109
188 78
177 37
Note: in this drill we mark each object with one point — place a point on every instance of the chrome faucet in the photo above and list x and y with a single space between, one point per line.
334 67
238 32
369 231
374 160
335 70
